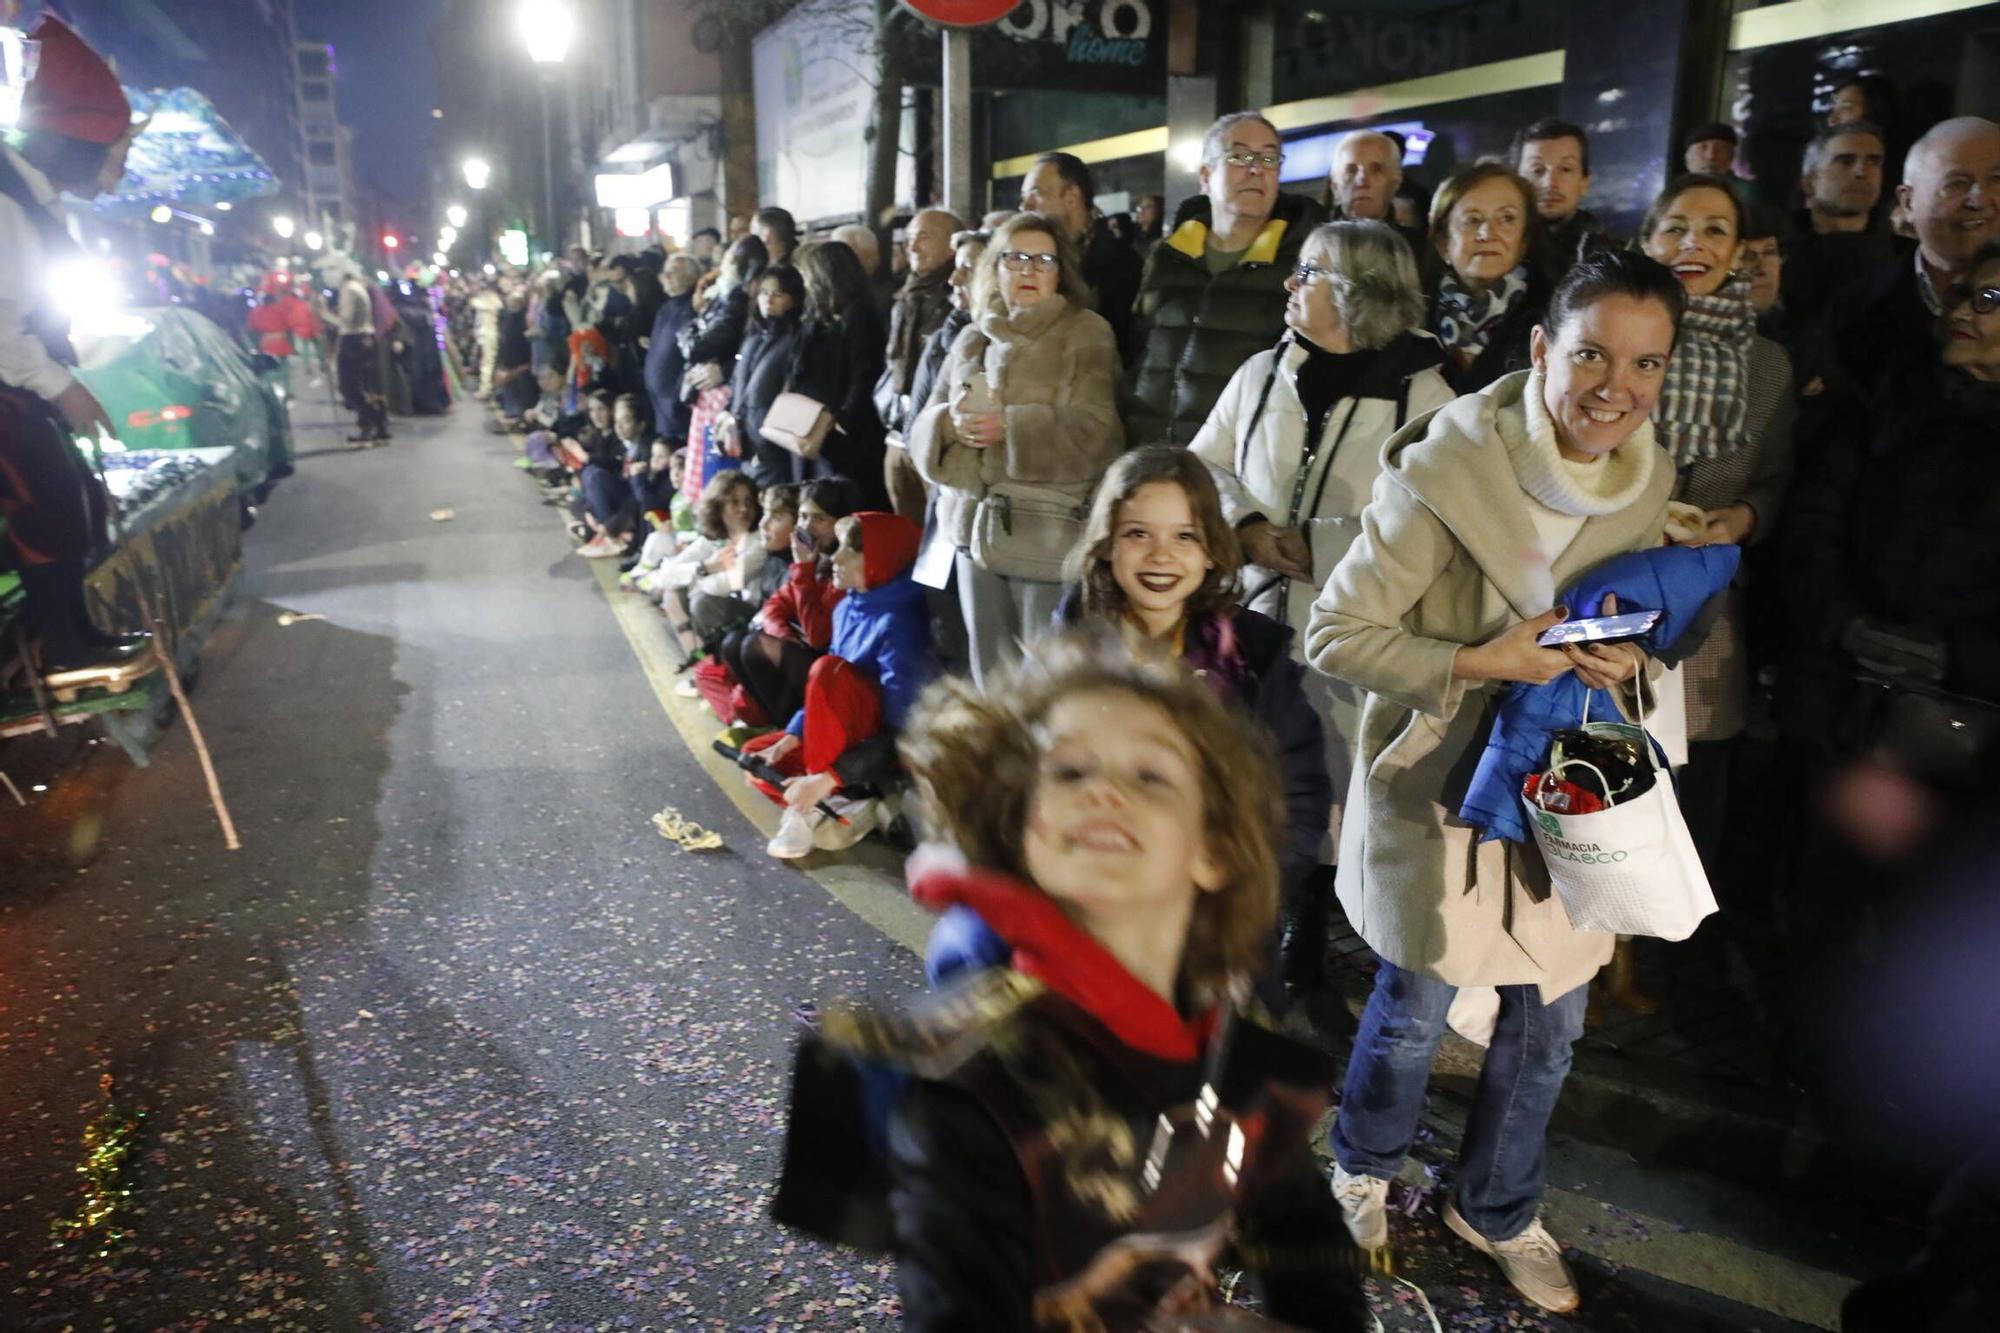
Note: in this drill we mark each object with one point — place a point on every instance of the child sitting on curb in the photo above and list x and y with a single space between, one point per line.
840 747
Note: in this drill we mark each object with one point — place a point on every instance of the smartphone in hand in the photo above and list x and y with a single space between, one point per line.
1600 629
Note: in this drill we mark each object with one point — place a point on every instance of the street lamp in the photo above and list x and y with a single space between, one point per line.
546 26
284 226
455 215
314 240
477 172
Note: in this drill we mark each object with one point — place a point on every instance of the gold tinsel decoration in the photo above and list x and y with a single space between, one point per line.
108 1142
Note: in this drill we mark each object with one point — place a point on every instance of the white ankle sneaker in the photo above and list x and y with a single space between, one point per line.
1531 1261
1364 1206
794 838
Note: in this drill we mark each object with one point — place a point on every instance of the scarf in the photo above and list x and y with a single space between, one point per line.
1465 320
1704 407
1604 487
1055 951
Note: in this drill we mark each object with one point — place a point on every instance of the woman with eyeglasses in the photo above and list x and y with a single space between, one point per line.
1295 445
1492 276
1021 424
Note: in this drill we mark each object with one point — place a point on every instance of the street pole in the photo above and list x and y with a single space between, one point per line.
958 123
551 242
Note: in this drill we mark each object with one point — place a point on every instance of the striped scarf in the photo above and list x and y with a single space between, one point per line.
1704 406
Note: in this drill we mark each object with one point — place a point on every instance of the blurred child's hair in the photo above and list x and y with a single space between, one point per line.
634 404
847 533
715 498
1090 562
975 756
783 498
678 458
598 396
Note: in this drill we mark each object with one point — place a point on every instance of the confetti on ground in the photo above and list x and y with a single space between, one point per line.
691 836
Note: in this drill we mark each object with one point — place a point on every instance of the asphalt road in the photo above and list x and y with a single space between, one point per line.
457 1040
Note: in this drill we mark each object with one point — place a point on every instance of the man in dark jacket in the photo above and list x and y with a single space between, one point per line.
1213 292
1836 238
1554 156
1060 186
921 306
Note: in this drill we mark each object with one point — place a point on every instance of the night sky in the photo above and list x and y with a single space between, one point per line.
387 84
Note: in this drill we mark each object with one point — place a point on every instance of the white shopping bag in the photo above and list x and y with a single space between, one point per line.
1630 869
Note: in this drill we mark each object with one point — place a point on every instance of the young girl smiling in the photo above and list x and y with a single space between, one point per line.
1159 563
1078 1137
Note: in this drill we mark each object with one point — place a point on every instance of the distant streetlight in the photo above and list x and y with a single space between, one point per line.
284 226
314 240
455 215
546 26
477 172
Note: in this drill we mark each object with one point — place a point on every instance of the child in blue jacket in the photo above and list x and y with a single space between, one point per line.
842 743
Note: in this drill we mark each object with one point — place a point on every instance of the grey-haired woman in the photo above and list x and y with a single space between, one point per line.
1295 444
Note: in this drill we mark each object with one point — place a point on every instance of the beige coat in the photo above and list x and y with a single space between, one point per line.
1449 555
1054 368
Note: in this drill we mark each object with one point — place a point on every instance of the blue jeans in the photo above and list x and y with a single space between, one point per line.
1500 1163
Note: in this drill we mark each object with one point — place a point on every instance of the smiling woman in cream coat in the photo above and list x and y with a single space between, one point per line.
1484 509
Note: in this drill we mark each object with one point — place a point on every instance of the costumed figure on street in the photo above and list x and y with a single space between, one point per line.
77 128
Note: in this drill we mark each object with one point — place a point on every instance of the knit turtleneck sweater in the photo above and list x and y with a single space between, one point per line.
1562 493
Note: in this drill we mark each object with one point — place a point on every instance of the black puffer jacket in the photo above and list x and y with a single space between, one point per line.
763 368
1193 329
717 331
936 349
1895 524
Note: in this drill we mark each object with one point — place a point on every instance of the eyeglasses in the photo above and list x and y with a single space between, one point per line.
1505 220
1270 161
1306 274
1984 300
1020 261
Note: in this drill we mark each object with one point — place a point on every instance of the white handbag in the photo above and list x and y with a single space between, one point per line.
1631 868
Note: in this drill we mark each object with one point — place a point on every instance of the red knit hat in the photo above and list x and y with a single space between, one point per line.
74 92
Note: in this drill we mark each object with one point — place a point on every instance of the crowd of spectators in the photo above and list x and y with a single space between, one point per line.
1344 456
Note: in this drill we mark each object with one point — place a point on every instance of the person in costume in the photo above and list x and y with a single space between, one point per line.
1079 1139
77 128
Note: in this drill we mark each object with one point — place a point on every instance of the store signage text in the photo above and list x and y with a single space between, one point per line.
1091 32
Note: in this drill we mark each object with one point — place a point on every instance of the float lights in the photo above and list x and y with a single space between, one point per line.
477 172
546 26
455 215
314 240
161 214
223 205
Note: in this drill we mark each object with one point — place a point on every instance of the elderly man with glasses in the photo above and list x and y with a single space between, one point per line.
1213 292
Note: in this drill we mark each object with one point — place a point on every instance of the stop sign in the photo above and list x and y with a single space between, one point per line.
962 13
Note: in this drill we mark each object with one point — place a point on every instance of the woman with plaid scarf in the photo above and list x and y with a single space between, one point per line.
1725 417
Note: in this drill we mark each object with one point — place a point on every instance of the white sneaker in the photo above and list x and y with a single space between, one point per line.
830 835
1364 1206
1531 1261
794 838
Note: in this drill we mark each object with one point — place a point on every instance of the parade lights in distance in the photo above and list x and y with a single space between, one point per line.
455 215
284 226
314 240
477 172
